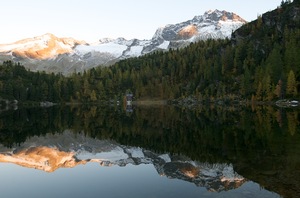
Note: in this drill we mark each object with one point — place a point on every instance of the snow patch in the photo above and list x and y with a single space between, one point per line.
112 48
164 45
165 157
112 156
135 51
227 27
230 175
136 152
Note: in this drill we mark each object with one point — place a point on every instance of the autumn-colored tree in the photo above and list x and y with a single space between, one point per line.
291 87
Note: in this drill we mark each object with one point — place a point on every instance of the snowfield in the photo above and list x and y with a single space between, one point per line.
113 48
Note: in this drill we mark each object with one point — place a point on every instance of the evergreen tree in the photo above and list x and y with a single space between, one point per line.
291 87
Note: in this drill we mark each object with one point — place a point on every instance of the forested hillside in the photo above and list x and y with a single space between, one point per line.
261 63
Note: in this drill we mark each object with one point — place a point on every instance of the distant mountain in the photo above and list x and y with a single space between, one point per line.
66 55
68 150
41 47
212 25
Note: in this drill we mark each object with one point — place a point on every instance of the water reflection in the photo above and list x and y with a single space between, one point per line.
218 149
67 150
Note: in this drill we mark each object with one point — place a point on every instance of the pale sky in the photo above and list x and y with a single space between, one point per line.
91 20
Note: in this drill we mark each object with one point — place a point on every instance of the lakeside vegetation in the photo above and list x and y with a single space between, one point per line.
259 63
205 130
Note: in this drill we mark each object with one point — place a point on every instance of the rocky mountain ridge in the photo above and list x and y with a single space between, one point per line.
66 55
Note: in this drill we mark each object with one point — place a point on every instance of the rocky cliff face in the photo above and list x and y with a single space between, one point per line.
66 55
273 22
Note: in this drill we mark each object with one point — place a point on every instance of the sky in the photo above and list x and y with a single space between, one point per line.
91 20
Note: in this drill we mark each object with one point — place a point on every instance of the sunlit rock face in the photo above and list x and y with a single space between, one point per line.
42 158
215 177
188 32
42 47
67 150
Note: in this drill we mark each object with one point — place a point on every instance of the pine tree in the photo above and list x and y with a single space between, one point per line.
275 64
291 87
268 88
93 96
278 89
259 92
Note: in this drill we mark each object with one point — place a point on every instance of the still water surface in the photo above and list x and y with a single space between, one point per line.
94 181
156 151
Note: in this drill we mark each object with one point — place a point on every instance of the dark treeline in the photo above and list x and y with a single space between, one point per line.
259 63
16 83
204 134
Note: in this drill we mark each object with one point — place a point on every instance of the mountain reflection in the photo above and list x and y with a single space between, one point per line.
215 147
67 150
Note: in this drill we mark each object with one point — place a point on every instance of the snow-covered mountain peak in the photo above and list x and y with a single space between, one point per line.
66 55
106 40
218 15
209 11
158 33
46 36
210 25
215 12
43 47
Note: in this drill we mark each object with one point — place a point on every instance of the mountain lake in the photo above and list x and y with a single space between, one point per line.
150 151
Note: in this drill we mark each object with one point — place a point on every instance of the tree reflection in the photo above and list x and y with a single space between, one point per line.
261 142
